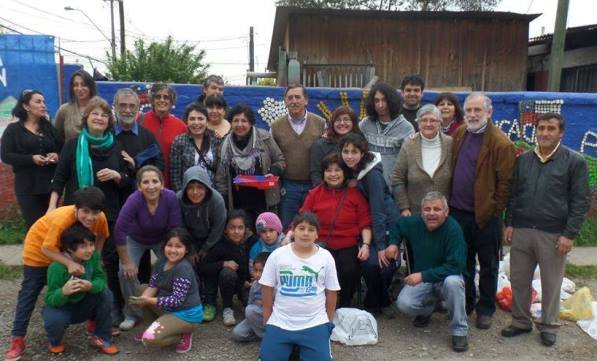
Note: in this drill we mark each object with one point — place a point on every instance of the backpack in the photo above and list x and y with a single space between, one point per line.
354 327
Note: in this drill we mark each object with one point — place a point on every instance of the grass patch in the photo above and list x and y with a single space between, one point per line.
12 231
584 272
10 272
588 233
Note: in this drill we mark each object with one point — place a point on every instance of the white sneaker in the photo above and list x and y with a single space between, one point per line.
127 324
229 319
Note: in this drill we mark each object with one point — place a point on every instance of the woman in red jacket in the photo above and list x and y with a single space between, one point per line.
344 217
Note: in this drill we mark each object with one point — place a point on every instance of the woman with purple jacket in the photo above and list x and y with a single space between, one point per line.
143 222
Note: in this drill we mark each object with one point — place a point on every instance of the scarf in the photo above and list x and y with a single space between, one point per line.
242 161
82 157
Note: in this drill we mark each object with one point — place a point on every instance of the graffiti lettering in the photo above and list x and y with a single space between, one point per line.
589 140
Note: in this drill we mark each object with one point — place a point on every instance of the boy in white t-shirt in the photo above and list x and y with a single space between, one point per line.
306 285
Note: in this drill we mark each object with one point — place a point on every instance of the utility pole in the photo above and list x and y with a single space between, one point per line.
557 47
122 40
113 41
251 54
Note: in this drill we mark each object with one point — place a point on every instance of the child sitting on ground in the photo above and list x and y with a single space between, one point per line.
226 266
303 277
269 229
172 296
72 300
251 328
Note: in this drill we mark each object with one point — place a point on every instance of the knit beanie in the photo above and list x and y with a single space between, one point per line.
268 220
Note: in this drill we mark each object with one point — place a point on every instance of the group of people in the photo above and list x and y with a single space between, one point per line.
426 183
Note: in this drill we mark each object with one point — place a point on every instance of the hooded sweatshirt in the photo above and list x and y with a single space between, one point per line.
383 209
205 222
386 140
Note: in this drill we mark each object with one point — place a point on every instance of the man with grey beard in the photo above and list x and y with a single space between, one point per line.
140 146
483 159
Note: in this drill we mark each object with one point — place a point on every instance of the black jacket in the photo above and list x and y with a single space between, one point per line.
551 196
225 250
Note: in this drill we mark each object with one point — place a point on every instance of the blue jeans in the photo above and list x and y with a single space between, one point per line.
313 343
420 300
293 196
94 307
34 280
129 287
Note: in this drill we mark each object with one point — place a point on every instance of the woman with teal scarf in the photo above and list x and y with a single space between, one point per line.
94 158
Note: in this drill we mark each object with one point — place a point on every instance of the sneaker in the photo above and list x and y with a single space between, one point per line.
459 343
229 319
56 350
127 324
389 312
90 328
483 322
209 313
115 331
185 344
16 349
106 347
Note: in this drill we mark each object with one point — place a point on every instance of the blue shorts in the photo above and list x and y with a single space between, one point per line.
313 342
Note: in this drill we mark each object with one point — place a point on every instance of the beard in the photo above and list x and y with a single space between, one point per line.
476 125
127 121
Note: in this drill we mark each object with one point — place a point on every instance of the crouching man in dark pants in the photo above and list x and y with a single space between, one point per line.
549 201
438 263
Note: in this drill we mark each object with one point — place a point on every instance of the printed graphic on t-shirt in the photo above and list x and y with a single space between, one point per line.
298 282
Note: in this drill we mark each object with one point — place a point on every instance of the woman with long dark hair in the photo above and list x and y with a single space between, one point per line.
31 145
69 116
197 147
367 169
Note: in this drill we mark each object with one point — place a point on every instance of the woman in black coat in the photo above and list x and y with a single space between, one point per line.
31 145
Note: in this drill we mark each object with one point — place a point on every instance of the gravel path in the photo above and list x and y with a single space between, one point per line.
398 340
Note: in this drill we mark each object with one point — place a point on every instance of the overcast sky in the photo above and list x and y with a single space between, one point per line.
220 27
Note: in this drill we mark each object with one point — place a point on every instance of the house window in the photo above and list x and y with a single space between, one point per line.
579 79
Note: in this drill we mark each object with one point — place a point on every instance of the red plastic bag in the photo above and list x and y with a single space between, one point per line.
504 298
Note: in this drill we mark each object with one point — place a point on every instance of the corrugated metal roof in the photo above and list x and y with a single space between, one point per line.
570 31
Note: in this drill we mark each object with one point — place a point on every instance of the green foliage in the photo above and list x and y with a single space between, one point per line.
12 231
266 82
160 62
9 272
393 5
583 272
588 233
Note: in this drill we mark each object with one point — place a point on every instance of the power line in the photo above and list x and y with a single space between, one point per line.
529 8
56 47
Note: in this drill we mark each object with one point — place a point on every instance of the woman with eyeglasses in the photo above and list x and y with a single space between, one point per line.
31 146
94 159
68 118
164 125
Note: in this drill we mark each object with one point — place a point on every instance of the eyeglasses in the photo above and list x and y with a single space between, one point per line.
162 97
26 92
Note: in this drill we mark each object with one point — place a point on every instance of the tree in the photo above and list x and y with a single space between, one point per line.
392 5
164 62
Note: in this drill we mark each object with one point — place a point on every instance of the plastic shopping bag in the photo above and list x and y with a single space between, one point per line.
578 307
354 327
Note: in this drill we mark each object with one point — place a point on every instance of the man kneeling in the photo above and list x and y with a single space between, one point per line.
438 261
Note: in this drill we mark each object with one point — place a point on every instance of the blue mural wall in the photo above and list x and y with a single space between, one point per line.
579 109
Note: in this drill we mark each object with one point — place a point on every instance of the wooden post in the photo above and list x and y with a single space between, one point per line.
557 47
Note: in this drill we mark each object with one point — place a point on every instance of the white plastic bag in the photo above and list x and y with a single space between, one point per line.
503 281
568 286
590 326
505 265
536 310
354 327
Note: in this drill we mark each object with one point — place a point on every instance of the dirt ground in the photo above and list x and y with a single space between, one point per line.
398 340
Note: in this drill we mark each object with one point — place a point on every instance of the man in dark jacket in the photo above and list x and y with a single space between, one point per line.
549 201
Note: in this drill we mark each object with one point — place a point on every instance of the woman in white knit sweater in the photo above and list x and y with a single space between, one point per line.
424 163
